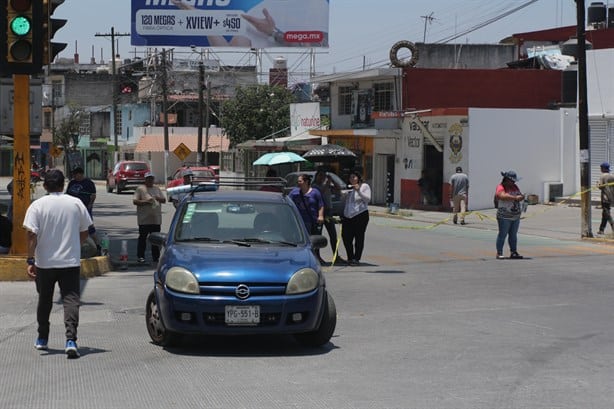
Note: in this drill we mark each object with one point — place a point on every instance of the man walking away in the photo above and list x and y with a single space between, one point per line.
459 191
57 225
606 184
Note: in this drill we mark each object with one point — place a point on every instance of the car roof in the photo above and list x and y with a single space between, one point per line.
133 161
195 168
238 195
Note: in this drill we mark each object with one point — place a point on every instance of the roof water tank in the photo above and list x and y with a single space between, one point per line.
597 14
280 63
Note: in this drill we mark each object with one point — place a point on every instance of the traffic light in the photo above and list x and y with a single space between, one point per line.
21 51
50 26
128 86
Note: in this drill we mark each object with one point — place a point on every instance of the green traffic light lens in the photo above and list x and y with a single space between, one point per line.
21 26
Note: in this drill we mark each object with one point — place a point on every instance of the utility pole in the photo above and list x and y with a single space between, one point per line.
207 123
427 19
164 114
585 158
201 85
113 34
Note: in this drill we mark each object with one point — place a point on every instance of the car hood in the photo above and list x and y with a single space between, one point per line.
224 263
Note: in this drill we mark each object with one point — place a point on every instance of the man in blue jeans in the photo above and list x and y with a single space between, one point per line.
57 224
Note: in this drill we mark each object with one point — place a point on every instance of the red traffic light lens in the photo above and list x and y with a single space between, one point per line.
20 5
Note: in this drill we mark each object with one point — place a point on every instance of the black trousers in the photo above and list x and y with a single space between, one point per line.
144 230
353 235
606 216
69 281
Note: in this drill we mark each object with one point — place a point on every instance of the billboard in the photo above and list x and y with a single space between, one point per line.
230 23
304 117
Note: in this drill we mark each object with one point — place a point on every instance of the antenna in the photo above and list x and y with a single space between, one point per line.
428 19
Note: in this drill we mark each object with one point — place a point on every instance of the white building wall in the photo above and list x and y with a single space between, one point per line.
540 145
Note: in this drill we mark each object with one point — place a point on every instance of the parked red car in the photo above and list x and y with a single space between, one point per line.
126 174
199 173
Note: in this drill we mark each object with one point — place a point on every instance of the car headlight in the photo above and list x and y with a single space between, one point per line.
180 279
303 281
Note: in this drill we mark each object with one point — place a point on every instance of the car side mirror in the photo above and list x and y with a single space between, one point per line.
158 239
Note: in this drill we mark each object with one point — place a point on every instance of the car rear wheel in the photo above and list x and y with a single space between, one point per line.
157 331
325 331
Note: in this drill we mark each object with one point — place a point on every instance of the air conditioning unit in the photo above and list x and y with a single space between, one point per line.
552 190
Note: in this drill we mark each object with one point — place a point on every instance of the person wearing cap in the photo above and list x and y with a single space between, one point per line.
187 180
606 185
459 190
509 208
56 226
84 189
147 199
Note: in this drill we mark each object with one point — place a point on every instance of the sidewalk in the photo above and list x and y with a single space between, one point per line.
562 221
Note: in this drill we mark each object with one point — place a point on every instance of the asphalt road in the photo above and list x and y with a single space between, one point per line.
431 320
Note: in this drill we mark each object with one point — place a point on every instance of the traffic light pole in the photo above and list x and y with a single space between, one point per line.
21 161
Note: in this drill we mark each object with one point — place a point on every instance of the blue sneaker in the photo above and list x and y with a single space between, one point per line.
41 344
71 349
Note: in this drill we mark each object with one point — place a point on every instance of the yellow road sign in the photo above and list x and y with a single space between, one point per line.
182 151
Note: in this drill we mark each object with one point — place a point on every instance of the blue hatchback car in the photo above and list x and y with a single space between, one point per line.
239 262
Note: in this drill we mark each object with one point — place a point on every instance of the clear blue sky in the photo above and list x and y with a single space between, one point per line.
361 31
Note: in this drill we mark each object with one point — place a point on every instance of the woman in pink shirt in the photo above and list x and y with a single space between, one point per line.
509 200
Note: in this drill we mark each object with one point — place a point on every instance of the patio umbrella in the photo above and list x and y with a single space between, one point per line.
328 153
277 158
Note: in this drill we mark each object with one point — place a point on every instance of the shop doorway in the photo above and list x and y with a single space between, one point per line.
433 172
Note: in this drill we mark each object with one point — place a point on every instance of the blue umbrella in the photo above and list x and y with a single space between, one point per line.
277 158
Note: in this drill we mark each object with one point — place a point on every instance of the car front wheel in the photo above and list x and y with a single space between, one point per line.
157 331
325 331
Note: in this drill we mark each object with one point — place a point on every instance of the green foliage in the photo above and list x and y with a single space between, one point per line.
256 112
67 133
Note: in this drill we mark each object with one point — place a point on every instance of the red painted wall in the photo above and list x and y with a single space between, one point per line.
426 88
410 194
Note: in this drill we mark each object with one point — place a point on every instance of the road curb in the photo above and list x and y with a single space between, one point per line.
13 268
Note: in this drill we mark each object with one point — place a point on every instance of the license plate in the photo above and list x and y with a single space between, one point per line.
242 314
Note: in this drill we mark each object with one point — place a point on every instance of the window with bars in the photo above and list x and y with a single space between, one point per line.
345 100
383 97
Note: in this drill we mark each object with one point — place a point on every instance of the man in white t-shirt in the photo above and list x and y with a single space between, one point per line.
57 225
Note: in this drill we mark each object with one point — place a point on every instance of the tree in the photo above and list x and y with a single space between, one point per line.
67 134
256 112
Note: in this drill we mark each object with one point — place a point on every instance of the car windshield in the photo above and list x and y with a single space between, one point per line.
292 178
202 174
136 166
240 223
